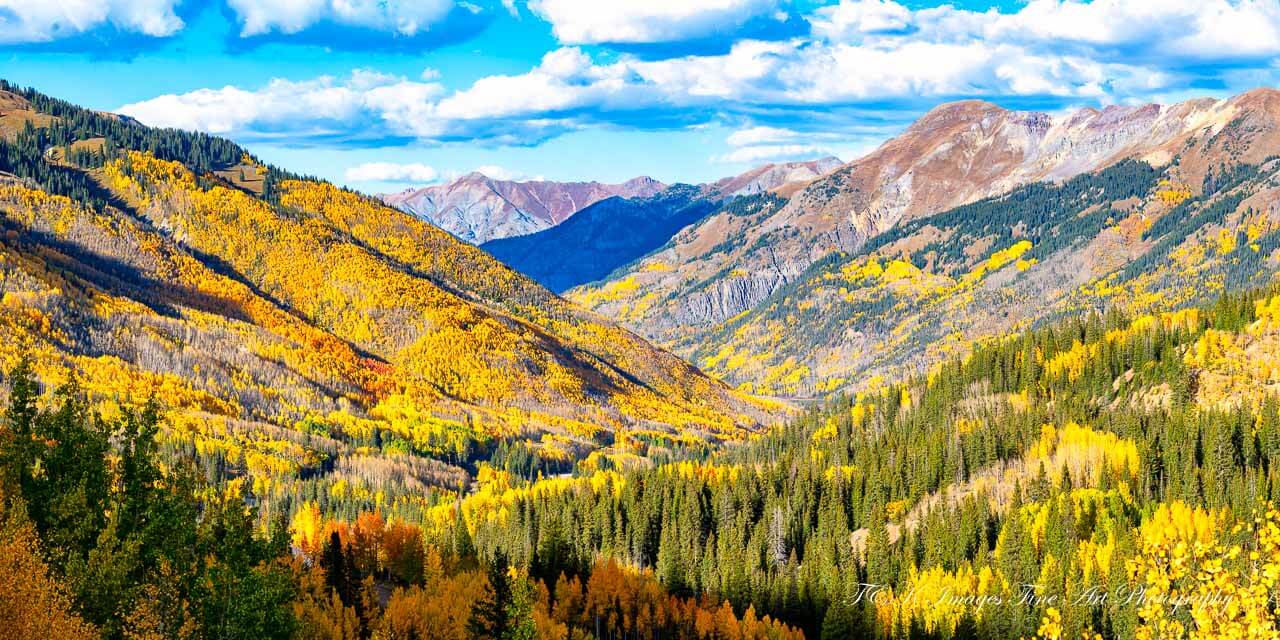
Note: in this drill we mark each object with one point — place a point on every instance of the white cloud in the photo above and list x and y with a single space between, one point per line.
568 91
788 73
1113 29
1227 30
404 17
760 135
861 54
628 21
760 144
26 21
319 107
774 152
502 173
847 20
495 172
412 173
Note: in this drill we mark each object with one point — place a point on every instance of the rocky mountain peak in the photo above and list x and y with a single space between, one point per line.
960 110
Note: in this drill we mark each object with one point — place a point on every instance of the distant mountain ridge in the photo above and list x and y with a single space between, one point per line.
477 208
611 233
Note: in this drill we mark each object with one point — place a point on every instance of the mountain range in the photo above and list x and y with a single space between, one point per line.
602 237
752 292
479 209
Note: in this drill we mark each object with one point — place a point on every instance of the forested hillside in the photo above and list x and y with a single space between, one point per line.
1107 476
109 530
307 338
1126 237
1002 495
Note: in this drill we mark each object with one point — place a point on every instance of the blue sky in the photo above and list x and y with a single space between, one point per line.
384 94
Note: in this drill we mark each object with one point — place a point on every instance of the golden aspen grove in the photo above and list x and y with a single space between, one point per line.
243 403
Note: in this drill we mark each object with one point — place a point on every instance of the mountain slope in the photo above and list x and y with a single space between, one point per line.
477 208
310 330
1132 237
602 237
728 265
615 232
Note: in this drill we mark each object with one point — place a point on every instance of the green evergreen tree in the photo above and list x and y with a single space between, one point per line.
491 615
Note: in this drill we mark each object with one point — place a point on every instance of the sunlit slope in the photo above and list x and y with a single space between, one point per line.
1131 236
292 324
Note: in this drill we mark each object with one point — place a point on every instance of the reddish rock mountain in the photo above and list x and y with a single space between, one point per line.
957 153
963 151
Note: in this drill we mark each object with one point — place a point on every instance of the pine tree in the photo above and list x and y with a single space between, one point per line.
491 614
337 573
839 622
17 449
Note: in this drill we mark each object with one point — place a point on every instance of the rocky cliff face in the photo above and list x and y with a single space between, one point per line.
957 153
477 208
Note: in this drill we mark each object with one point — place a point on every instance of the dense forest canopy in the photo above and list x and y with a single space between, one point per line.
1090 456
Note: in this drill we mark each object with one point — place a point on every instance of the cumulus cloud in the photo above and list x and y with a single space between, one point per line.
1175 28
346 23
568 90
847 19
1104 29
32 21
318 108
760 135
493 171
502 173
404 17
410 173
759 144
761 153
861 54
599 21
